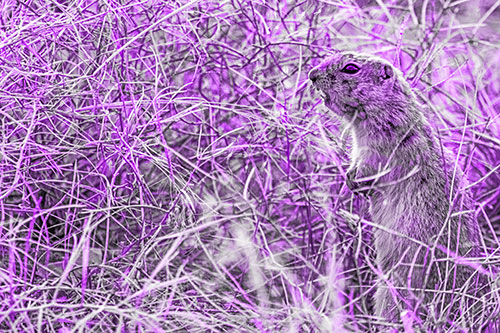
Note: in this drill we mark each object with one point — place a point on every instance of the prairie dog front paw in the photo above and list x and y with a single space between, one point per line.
358 187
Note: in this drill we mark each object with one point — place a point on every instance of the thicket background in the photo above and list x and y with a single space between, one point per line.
166 166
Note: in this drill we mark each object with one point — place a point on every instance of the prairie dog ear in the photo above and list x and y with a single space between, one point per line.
386 72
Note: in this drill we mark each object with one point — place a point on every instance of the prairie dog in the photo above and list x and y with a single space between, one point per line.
427 237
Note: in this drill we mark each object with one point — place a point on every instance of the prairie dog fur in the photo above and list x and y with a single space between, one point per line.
428 241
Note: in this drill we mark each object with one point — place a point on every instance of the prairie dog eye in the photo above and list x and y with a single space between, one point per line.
350 69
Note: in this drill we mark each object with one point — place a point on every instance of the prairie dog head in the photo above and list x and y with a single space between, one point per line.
361 85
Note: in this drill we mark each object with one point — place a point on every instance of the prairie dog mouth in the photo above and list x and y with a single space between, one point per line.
326 97
340 109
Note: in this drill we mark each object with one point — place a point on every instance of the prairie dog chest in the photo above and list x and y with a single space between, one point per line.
360 152
355 151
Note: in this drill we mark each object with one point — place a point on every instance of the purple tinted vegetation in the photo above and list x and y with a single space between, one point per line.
165 166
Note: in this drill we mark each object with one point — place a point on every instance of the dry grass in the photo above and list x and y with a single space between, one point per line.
166 168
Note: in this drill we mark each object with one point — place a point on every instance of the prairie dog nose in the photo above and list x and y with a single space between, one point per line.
313 74
316 72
